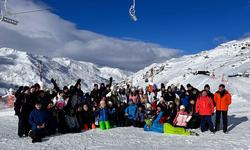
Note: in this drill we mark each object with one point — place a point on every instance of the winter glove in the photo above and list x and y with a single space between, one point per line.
79 81
52 81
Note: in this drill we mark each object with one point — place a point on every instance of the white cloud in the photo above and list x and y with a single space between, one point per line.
47 34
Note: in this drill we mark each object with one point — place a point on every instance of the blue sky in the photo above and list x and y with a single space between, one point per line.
101 31
189 25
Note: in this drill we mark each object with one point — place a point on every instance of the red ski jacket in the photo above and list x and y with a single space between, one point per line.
222 103
204 106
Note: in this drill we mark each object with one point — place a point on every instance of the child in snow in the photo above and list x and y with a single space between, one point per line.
140 117
156 125
182 118
62 125
120 114
149 114
171 112
104 121
38 120
185 100
112 114
86 118
130 113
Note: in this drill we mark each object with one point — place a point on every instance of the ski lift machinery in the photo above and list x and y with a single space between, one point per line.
132 11
4 14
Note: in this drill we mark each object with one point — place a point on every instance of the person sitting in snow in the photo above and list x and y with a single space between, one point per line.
156 125
150 113
38 120
182 118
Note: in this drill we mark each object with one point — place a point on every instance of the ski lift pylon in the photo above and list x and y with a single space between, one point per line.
132 11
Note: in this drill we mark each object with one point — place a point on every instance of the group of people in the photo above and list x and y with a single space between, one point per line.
43 113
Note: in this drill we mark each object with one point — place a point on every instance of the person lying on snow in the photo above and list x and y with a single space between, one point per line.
182 118
38 120
156 125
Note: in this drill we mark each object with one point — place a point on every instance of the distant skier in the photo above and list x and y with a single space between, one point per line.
222 99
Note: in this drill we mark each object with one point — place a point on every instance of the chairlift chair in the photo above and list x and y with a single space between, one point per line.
4 15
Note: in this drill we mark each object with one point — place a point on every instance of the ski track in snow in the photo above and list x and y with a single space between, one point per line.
133 138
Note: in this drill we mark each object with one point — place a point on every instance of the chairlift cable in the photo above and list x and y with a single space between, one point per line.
25 12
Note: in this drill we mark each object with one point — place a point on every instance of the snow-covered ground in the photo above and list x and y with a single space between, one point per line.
229 58
133 138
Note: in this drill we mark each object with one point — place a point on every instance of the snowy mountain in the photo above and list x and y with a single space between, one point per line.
21 68
228 59
232 58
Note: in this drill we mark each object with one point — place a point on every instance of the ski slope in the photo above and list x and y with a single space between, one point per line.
133 138
228 58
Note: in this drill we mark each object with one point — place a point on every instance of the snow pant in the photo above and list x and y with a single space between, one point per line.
169 129
72 123
52 126
140 124
79 120
154 128
120 122
87 126
224 119
113 120
206 120
37 133
62 125
23 126
104 125
194 123
130 122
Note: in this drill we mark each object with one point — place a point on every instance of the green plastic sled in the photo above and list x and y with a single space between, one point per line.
169 129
